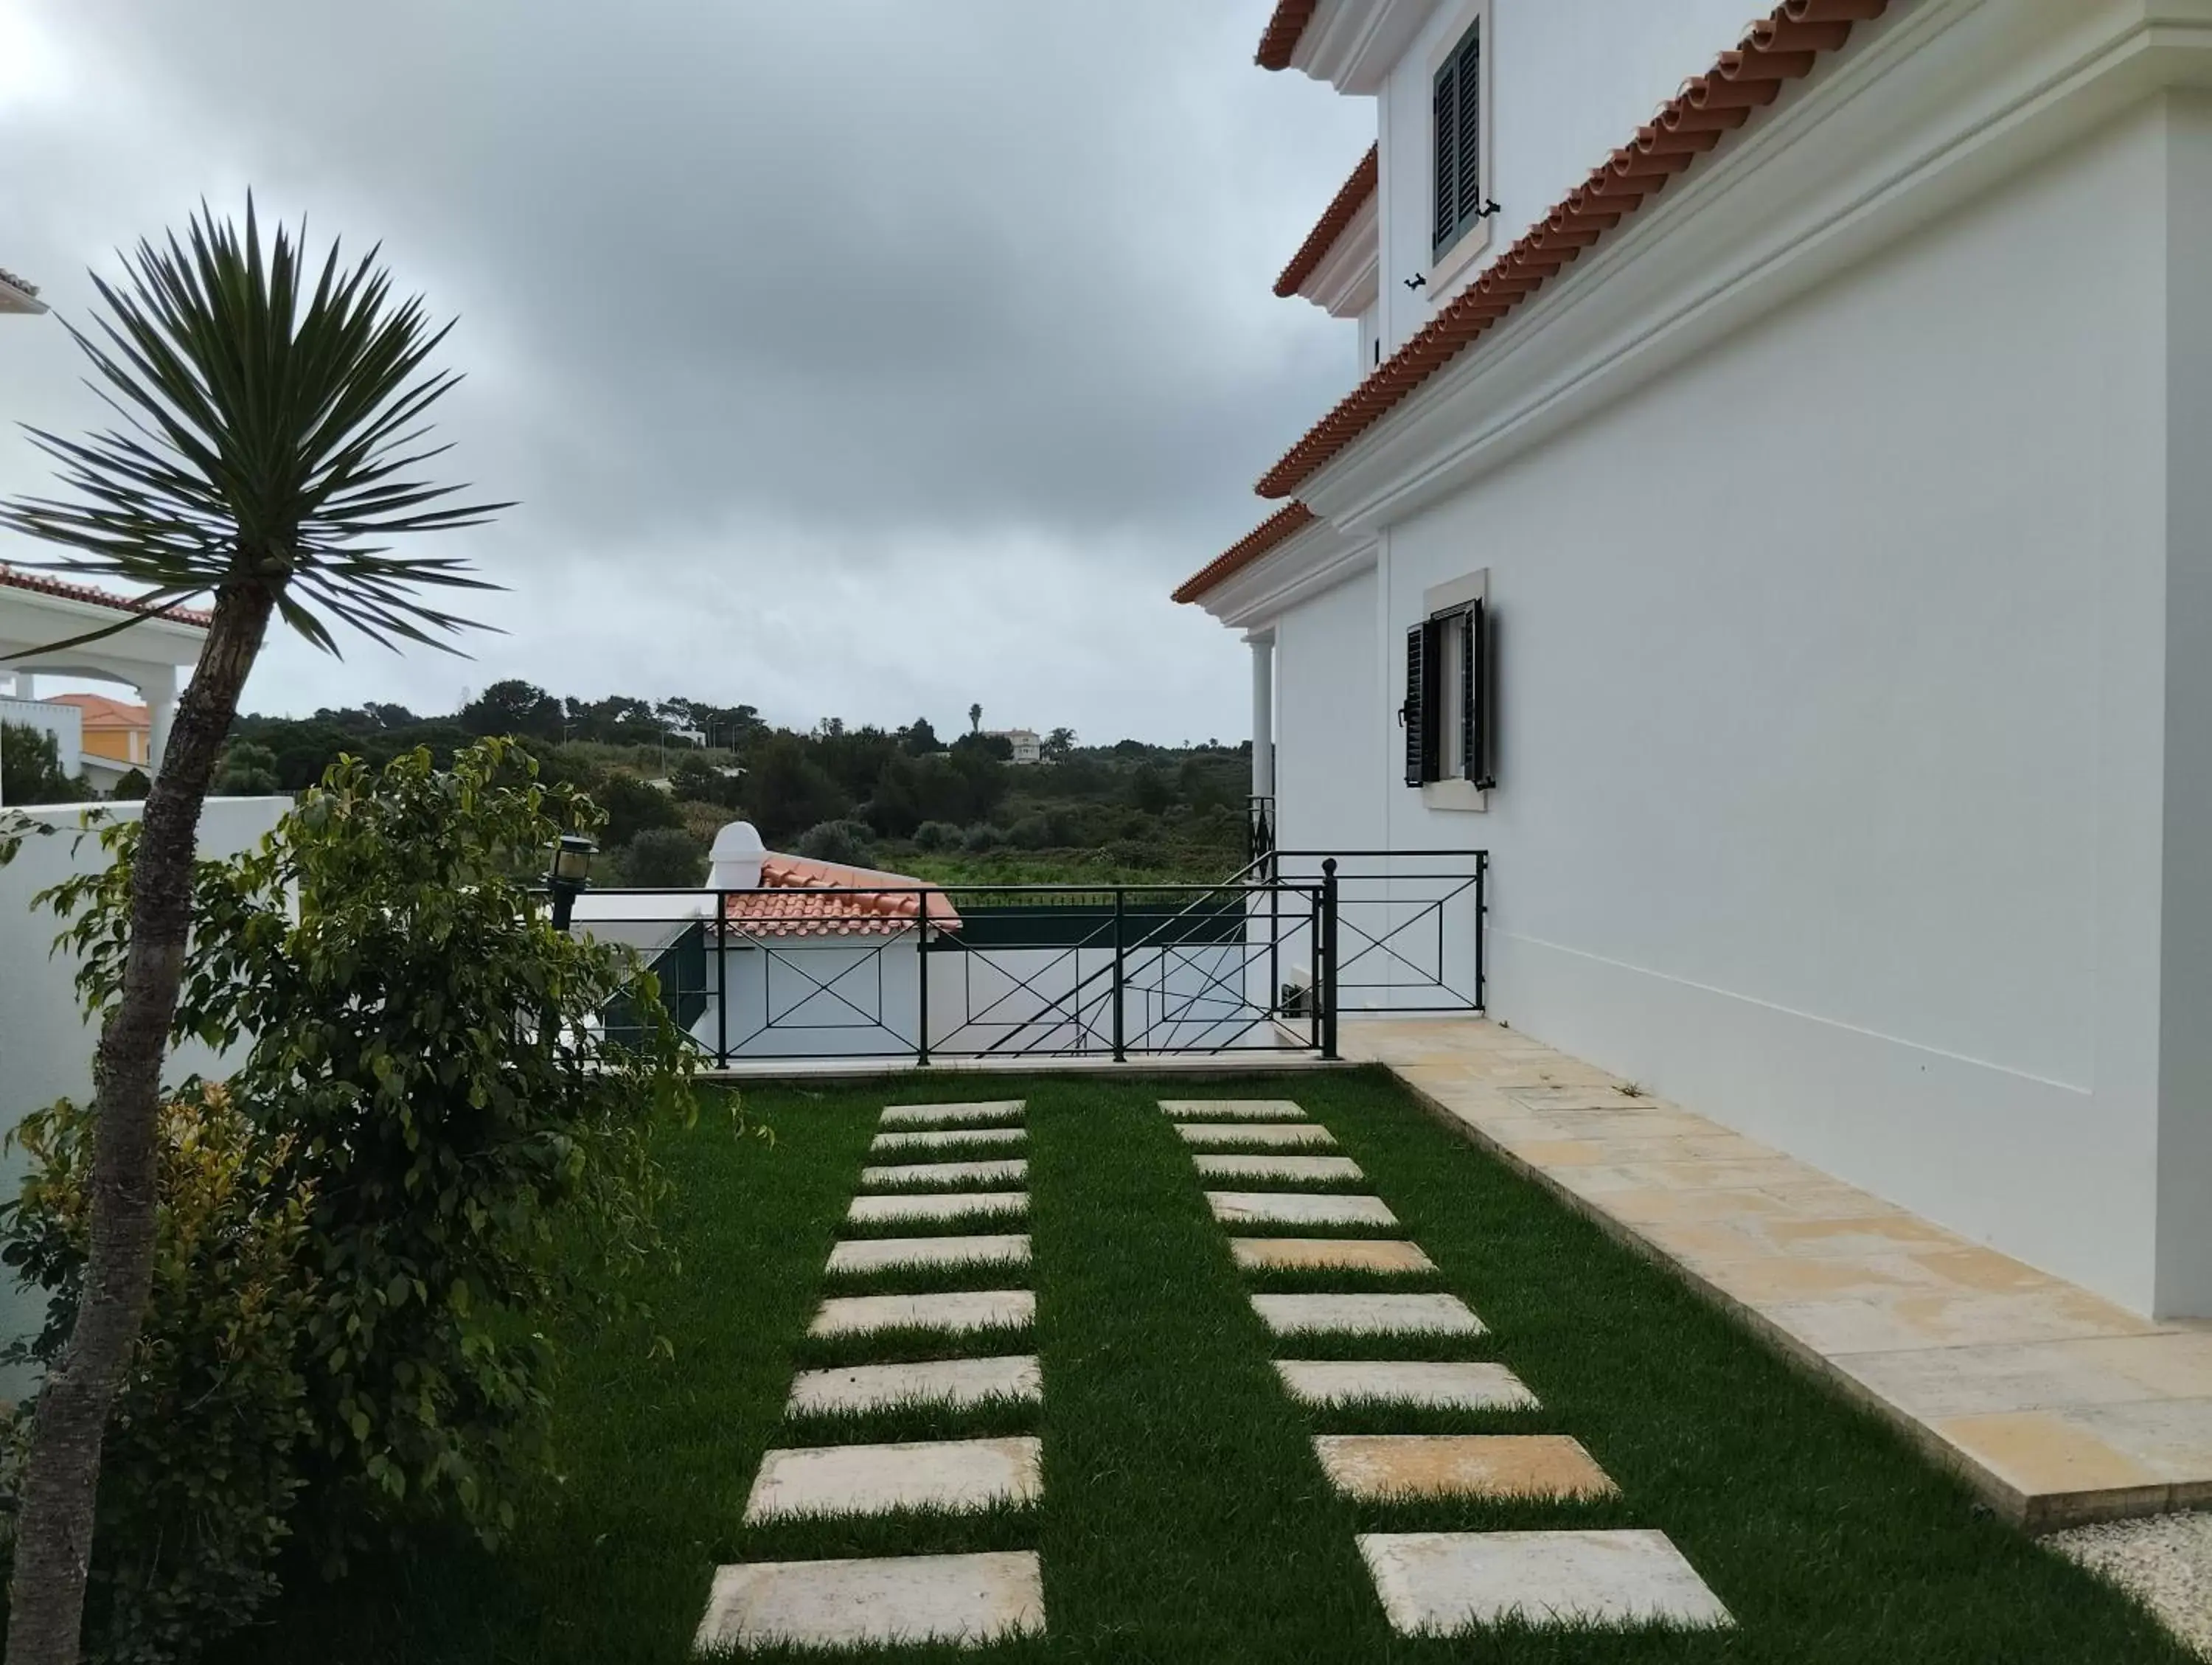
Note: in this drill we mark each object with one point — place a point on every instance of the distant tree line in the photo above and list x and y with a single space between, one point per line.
670 772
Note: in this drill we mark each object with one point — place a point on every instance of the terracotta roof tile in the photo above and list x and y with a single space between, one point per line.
1280 38
14 578
102 713
799 897
1285 522
1781 48
1347 201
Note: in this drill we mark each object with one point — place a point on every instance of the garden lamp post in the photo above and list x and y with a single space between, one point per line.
569 877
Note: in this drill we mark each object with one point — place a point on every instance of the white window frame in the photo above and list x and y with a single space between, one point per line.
1474 240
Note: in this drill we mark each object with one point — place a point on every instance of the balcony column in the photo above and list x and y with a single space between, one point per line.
159 690
1263 644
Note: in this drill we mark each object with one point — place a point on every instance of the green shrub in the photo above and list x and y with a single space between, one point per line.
664 857
849 841
432 1044
936 836
982 836
201 1459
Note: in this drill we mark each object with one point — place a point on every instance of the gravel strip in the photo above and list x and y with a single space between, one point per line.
2166 1559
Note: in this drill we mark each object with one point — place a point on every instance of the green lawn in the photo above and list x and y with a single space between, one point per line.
1184 1516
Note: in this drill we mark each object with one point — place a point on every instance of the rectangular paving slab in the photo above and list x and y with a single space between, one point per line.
1328 1253
936 1205
1277 1167
1366 1314
983 1111
857 1255
953 1384
878 1602
963 1475
1297 1208
1378 1468
958 1310
1443 1583
1000 1170
1451 1387
1233 1110
1207 1135
943 1138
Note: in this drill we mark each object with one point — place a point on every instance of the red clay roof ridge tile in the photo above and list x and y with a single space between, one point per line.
1284 523
1280 38
1350 199
15 578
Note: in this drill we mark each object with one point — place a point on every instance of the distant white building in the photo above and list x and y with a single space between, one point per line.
1027 748
1771 515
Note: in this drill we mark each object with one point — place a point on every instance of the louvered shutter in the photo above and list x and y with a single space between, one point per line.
1481 693
1414 713
1447 158
1466 70
1470 624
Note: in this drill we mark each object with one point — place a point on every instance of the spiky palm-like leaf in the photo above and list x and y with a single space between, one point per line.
266 438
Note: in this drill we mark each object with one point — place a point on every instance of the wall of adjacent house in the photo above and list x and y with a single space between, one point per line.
45 1041
1836 690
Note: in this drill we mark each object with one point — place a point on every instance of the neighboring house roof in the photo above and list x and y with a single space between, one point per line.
1280 38
15 579
104 716
798 897
1285 522
1334 218
1781 48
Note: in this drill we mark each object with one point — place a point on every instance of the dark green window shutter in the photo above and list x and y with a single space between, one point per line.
1479 698
1457 108
1423 712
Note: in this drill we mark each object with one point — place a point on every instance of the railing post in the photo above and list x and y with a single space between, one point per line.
1121 901
1481 931
721 980
922 982
1327 979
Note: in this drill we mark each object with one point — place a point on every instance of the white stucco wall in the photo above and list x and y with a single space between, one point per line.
1836 687
1329 771
45 1042
1569 81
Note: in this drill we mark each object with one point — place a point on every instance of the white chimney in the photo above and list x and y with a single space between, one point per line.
735 860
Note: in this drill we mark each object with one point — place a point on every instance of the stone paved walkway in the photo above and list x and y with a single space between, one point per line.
967 1599
2058 1406
1434 1582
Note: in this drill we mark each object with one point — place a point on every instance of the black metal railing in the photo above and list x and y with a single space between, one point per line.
1264 962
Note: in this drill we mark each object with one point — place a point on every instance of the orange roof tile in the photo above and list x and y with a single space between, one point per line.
1347 201
1285 522
15 579
800 897
1280 38
102 713
1781 48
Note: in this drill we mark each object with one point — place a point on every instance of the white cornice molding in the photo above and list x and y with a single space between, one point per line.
1353 45
1934 105
1318 558
1344 284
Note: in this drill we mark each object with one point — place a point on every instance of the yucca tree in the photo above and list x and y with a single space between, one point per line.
266 451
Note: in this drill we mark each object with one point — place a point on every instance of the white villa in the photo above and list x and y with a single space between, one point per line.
1773 519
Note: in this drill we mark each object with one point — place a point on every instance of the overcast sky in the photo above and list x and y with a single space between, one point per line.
858 358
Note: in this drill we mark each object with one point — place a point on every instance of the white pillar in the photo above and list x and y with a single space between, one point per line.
159 690
1263 715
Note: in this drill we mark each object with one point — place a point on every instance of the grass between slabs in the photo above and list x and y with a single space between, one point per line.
1184 1516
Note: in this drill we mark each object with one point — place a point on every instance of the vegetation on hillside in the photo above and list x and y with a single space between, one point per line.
670 772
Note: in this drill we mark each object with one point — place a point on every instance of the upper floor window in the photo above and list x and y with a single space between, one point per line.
1459 198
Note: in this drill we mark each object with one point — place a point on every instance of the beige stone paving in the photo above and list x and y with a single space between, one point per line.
2059 1405
1378 1467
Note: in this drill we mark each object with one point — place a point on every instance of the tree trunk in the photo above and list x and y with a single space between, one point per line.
61 1479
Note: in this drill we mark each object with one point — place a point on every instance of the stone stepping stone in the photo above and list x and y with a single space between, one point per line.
1380 1468
1213 1134
876 1603
935 1206
941 1138
1297 1208
1443 1583
961 1475
1005 1170
949 1383
1283 1168
958 1310
1328 1253
984 1112
1456 1387
1366 1314
1233 1110
857 1254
